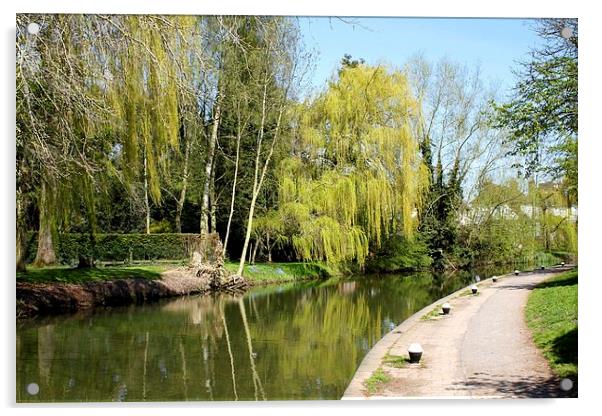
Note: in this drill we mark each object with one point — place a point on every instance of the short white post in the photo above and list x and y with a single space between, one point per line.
446 308
415 352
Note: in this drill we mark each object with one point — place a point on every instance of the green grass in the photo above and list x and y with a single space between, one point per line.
552 317
433 314
378 378
72 275
273 272
261 272
398 361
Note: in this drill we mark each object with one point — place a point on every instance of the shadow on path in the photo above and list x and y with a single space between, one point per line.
517 286
572 281
515 386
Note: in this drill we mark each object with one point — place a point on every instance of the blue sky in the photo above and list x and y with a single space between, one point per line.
494 44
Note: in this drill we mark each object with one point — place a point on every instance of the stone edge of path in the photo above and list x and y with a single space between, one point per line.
373 360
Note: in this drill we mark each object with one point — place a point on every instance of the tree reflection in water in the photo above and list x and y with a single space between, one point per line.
294 341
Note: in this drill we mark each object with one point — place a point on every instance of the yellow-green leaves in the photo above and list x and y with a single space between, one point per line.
360 175
145 95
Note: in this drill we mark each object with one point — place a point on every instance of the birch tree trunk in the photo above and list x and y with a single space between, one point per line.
238 137
258 180
254 252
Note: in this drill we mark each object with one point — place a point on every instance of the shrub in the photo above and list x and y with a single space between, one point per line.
399 254
118 247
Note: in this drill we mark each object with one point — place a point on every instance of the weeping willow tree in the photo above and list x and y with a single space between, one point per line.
356 176
146 72
61 120
97 96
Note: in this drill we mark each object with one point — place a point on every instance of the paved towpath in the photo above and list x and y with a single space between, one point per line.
482 349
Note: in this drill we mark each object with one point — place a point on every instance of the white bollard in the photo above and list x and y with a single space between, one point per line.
474 289
446 308
415 352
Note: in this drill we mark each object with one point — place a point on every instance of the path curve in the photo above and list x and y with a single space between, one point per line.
482 349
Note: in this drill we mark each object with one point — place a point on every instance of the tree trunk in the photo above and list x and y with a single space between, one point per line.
20 234
544 225
146 202
238 137
212 201
205 212
85 262
254 252
182 199
245 246
257 186
45 255
268 248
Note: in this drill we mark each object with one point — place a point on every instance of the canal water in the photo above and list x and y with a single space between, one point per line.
290 341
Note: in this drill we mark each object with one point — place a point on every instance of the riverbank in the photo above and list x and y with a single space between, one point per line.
37 298
481 349
64 289
266 273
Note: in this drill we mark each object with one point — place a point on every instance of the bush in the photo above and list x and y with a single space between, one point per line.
399 254
118 247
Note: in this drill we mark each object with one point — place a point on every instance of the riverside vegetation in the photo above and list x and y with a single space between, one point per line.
138 136
177 155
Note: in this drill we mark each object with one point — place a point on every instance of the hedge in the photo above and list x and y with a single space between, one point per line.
118 247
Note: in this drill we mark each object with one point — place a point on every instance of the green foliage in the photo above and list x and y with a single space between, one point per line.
119 247
542 116
358 177
275 272
378 378
399 254
552 317
159 227
398 361
505 224
144 95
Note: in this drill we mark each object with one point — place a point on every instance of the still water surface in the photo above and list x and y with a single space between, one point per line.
282 342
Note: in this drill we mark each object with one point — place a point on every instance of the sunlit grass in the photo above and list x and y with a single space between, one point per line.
280 271
552 317
64 274
378 378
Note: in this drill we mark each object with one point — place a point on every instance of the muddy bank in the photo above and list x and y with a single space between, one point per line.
51 298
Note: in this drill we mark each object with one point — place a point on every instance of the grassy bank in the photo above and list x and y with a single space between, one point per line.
281 272
257 273
552 317
72 275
